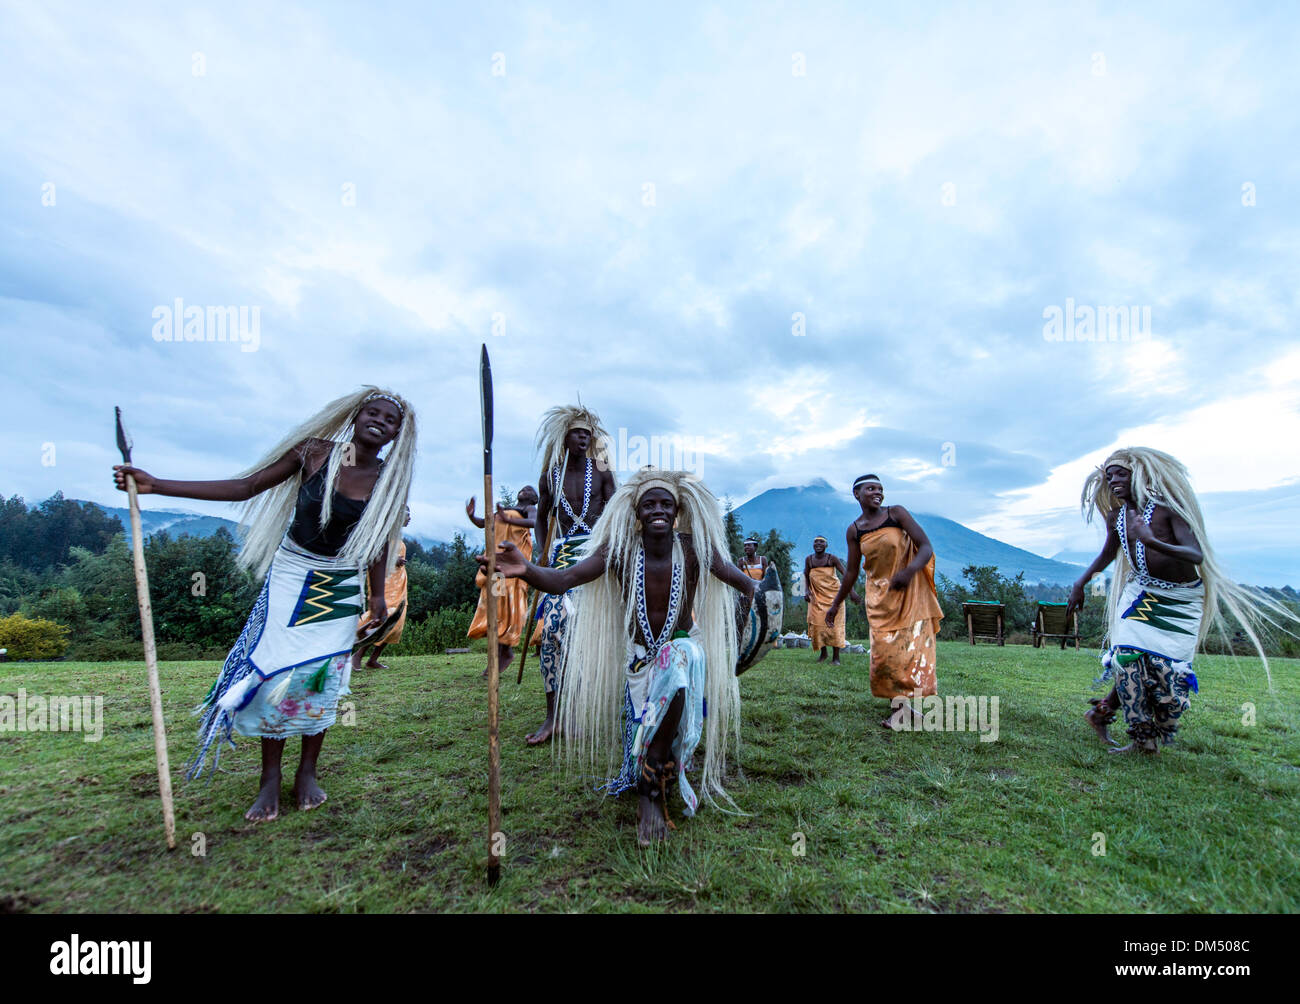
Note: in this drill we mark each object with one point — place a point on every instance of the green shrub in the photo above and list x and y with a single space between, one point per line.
32 638
440 630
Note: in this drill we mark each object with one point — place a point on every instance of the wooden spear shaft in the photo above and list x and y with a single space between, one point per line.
495 837
150 656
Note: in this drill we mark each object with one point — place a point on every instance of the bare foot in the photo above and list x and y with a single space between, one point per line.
376 665
543 734
266 806
307 791
650 824
1094 717
822 657
895 721
835 661
1136 747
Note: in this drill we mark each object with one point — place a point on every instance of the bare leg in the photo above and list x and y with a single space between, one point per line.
835 656
651 812
1101 714
822 657
305 789
267 804
543 734
373 662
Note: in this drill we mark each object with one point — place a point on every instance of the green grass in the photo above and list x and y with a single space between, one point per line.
921 822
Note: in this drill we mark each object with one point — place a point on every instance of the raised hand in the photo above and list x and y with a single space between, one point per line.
510 561
144 482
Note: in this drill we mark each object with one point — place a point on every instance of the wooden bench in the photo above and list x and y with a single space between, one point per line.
1051 622
984 619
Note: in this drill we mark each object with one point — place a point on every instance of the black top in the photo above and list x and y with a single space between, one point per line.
306 531
889 521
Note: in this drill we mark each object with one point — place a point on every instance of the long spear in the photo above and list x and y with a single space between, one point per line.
494 670
146 632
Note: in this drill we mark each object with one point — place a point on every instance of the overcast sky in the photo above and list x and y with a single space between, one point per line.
815 240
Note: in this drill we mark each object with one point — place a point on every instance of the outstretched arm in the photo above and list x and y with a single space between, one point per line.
469 511
1108 551
232 490
731 575
512 564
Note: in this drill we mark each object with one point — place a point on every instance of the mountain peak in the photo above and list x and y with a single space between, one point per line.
820 484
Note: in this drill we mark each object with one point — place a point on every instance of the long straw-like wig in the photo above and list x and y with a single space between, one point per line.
555 426
266 516
1156 475
596 648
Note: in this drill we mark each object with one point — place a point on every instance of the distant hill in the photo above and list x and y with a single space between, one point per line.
175 521
802 513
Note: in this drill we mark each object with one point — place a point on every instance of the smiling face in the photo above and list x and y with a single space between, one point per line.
819 547
377 424
1120 482
656 510
750 549
870 494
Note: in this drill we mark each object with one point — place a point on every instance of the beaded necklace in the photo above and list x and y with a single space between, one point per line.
653 644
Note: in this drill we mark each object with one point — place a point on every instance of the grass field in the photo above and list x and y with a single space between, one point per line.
930 822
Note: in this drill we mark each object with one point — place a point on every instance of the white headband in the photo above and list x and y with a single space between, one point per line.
384 397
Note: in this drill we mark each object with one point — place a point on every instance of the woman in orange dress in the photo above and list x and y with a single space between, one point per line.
902 607
514 525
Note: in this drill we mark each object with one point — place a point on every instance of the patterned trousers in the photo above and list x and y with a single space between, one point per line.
1152 695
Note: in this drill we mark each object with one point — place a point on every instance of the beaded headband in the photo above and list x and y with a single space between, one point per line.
822 539
580 423
751 539
865 478
667 486
384 397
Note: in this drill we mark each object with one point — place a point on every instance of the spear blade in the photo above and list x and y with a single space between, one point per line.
124 443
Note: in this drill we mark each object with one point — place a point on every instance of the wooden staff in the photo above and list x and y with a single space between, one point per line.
494 669
146 632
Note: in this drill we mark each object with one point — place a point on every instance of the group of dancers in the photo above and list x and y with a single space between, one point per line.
636 624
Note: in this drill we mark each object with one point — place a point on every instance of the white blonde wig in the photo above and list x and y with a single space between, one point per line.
266 516
597 644
1156 475
555 426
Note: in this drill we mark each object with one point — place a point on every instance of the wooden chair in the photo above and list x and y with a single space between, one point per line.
984 619
1051 622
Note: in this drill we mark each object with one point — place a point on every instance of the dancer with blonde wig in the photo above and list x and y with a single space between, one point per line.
1168 592
575 484
639 673
321 509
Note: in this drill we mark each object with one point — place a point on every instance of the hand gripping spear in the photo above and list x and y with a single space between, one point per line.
146 631
495 837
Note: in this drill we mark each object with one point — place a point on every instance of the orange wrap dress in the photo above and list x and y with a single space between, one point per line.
394 593
904 622
512 604
823 584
